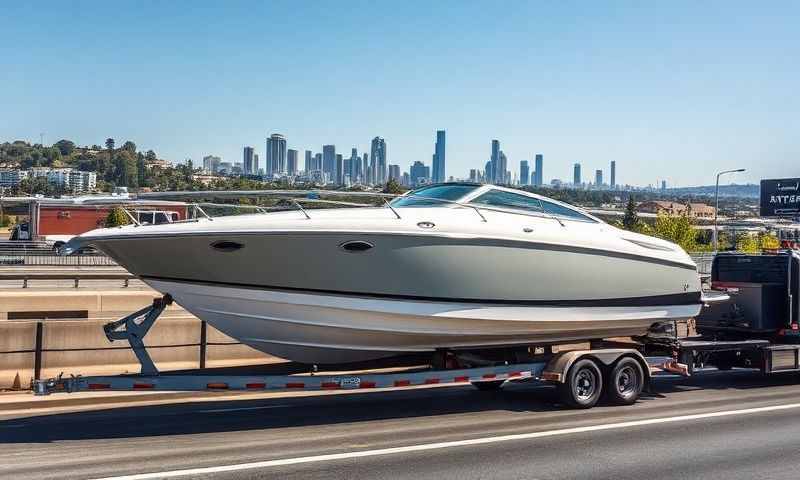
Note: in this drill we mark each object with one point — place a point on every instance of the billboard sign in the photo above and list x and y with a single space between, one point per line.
780 198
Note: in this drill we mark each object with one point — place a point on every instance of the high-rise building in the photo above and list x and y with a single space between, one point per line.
419 174
309 161
663 185
247 160
329 161
576 174
365 170
539 170
439 158
378 154
524 172
256 170
613 174
473 175
492 173
339 171
291 161
318 162
598 178
488 172
354 166
394 172
276 154
501 172
211 163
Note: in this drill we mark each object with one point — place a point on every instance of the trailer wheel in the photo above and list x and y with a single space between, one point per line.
625 382
489 386
583 385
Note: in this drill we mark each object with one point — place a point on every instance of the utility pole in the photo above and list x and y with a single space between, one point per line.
716 204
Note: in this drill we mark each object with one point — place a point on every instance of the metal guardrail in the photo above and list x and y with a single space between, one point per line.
76 277
41 257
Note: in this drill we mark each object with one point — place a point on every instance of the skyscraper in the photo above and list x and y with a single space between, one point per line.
598 178
576 174
329 161
379 159
309 161
317 162
492 173
394 172
419 174
247 160
211 163
354 165
539 170
365 170
291 162
502 169
439 158
524 172
276 154
613 174
256 170
339 169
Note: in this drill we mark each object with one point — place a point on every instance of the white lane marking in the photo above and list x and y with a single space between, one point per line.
441 445
237 409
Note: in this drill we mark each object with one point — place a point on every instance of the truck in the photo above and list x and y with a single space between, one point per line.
56 221
750 322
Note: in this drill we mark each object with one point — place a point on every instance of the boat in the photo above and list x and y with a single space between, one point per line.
454 266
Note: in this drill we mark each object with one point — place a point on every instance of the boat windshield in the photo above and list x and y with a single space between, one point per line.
428 196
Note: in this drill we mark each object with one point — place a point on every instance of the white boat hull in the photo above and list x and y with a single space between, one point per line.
321 328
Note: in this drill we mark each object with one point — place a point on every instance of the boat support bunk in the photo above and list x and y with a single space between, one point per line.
616 374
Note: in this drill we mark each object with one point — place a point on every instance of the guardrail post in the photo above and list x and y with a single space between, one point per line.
203 342
25 282
77 279
37 356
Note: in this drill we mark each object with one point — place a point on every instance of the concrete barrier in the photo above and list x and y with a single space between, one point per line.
79 346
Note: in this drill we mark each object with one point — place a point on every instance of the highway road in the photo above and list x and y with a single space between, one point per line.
723 426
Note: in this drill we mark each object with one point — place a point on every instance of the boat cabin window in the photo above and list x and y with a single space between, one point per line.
565 212
428 196
502 199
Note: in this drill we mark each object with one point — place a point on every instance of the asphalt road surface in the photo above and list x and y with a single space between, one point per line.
723 426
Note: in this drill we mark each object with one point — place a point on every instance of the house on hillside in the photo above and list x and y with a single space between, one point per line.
676 209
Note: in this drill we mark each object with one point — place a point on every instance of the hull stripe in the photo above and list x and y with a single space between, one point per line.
689 298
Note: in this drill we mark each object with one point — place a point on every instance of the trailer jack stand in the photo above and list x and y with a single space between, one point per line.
134 332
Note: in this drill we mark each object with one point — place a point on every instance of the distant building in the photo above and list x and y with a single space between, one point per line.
276 154
439 158
12 178
663 184
524 172
598 178
576 174
329 160
291 162
419 174
378 154
473 175
309 161
256 168
211 163
394 172
365 170
539 172
501 172
339 172
225 168
675 209
354 166
613 174
494 161
247 159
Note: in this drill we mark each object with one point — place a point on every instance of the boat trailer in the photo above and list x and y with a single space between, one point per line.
556 368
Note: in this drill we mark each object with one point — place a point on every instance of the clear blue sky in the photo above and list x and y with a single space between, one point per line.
672 90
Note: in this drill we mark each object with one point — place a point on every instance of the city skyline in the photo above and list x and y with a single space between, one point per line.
577 84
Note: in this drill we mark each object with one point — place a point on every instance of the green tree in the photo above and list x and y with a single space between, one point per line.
117 217
129 146
677 230
631 220
66 147
393 187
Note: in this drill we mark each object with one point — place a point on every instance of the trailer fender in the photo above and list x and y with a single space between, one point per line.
557 368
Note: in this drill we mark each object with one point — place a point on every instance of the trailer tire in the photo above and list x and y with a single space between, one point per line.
625 382
489 386
583 385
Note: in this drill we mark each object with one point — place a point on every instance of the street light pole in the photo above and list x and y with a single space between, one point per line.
716 203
